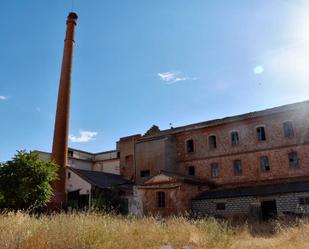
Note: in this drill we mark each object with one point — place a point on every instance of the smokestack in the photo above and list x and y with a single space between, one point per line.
61 131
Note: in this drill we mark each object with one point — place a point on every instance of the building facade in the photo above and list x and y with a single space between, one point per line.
220 167
261 148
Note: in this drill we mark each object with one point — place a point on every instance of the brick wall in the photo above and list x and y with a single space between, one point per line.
249 150
177 199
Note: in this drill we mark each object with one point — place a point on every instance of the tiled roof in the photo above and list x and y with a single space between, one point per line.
101 179
263 190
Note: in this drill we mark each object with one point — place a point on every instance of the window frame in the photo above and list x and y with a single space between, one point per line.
144 173
70 153
191 170
294 164
161 199
263 167
238 138
288 129
214 165
212 145
237 172
220 206
262 138
191 146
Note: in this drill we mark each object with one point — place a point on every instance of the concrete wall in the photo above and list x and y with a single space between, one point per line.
126 147
155 155
75 182
240 205
79 164
108 155
109 166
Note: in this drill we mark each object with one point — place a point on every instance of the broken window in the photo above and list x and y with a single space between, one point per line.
190 146
220 206
261 136
264 163
214 170
234 137
288 129
70 153
191 170
212 142
237 168
161 199
145 173
293 160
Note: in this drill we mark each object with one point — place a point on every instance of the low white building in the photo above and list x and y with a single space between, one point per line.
91 174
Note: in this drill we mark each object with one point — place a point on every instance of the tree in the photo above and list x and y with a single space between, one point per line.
25 182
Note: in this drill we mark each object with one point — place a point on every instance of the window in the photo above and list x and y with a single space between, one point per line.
220 206
129 161
69 175
303 201
293 160
234 138
214 170
288 129
212 142
70 153
264 163
118 154
237 168
191 170
145 173
190 146
161 199
261 133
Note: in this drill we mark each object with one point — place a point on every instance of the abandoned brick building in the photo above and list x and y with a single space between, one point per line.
220 167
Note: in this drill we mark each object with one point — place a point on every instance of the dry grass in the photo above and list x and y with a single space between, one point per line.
95 231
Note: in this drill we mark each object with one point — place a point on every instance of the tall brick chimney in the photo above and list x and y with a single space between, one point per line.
61 131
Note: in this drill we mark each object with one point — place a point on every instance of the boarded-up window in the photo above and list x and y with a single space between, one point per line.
214 170
190 146
191 170
288 129
293 160
237 168
264 163
161 199
212 141
234 137
260 131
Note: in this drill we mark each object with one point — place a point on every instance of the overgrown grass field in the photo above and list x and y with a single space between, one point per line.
97 231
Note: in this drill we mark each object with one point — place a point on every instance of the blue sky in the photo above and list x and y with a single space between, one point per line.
139 63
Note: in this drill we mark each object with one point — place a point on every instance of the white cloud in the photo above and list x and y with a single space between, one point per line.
83 137
4 97
173 77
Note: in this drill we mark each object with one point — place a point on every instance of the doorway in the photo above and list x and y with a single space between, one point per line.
269 209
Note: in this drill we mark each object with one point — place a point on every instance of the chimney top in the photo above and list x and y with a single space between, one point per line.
72 15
